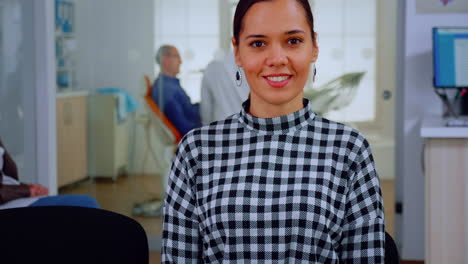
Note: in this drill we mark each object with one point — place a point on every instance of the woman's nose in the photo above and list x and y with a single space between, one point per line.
277 56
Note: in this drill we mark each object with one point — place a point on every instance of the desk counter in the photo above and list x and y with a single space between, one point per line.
434 127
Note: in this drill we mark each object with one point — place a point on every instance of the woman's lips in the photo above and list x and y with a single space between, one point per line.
277 80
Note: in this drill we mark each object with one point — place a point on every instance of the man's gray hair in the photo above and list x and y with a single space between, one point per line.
164 50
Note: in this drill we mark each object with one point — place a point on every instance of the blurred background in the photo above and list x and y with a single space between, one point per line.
70 68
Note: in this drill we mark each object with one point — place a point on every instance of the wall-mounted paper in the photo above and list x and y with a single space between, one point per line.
441 6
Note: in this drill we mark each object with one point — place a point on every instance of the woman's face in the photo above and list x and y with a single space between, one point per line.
275 50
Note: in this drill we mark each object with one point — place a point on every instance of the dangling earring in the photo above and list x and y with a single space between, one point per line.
238 77
315 73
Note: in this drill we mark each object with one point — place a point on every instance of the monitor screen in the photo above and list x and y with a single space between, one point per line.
450 53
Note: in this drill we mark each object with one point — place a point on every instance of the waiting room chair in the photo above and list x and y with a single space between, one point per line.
391 250
67 234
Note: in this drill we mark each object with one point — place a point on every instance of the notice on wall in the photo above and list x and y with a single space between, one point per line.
441 6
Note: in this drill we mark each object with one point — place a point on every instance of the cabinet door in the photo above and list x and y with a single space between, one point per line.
71 135
446 174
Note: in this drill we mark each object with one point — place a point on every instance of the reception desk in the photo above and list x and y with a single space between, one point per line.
446 191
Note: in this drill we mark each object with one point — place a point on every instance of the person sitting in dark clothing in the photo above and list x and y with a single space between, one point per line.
169 95
16 194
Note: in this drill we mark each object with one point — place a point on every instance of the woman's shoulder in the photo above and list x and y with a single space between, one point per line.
212 130
339 131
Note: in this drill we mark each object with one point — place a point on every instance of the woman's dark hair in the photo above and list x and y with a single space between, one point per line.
244 5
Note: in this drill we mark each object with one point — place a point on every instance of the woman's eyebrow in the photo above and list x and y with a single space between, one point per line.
290 32
255 36
295 31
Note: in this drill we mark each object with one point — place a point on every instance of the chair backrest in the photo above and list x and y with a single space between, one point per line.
391 250
162 123
67 234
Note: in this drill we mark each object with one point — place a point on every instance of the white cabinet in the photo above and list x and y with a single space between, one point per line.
446 193
107 137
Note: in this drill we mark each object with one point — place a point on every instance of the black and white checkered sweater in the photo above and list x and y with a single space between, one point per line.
291 189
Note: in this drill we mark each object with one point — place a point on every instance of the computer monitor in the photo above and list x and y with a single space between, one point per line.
450 54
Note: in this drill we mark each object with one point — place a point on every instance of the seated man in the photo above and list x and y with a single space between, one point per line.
169 95
16 194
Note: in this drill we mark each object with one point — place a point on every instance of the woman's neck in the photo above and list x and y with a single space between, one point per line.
261 108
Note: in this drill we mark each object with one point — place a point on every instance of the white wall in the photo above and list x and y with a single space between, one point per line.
27 90
415 98
114 49
114 43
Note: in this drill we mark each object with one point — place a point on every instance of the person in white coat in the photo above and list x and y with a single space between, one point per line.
221 94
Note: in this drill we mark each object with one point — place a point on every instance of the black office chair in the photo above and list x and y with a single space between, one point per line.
66 234
391 250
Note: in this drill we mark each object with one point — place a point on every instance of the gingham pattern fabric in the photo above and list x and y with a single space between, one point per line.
291 189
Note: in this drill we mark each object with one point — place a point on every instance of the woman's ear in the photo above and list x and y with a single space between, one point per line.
315 52
236 52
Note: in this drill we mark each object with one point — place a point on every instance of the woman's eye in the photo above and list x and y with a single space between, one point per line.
294 41
257 44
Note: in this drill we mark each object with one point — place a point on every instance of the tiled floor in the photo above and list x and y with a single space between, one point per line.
119 196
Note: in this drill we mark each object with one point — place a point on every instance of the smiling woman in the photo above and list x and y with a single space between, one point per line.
275 182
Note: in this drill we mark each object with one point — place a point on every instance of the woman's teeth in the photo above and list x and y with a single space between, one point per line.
277 78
